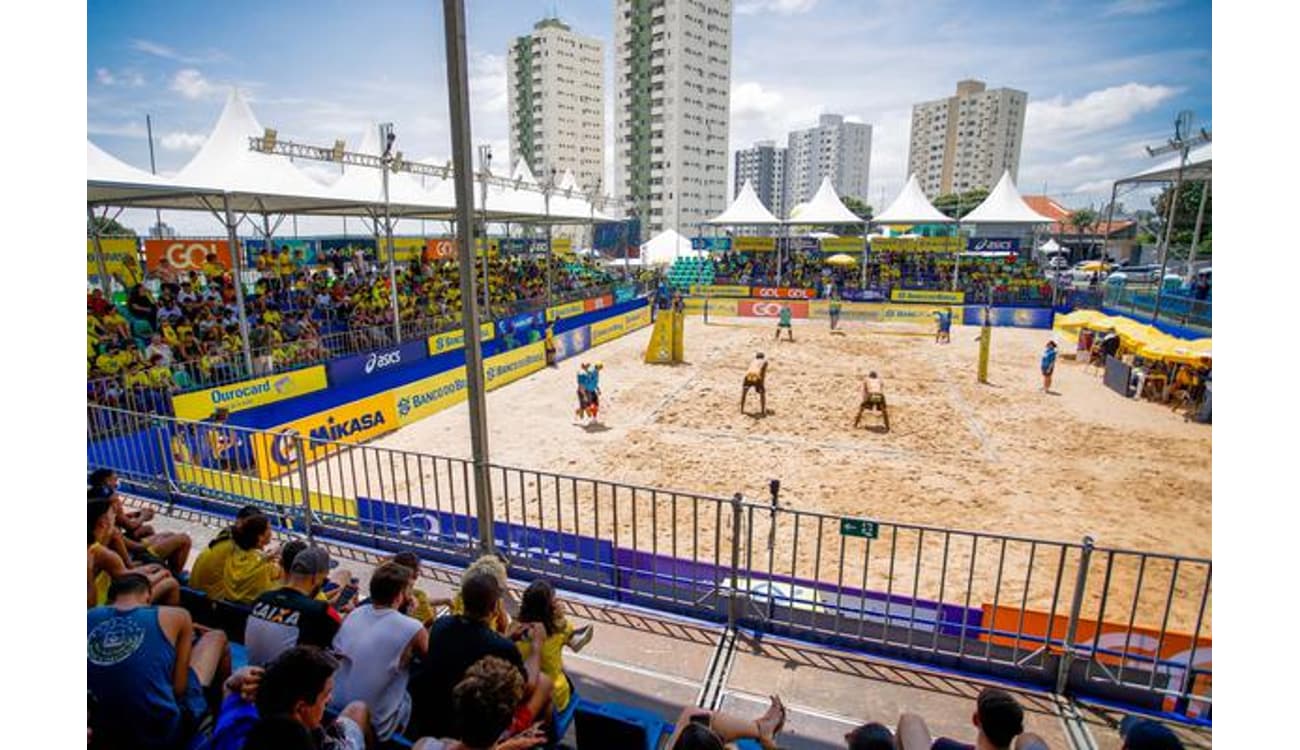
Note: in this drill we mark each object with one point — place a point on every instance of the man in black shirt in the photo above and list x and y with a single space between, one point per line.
456 642
293 616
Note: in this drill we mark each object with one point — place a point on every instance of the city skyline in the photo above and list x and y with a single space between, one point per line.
1094 101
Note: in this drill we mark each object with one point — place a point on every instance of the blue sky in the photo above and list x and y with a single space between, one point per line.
1103 78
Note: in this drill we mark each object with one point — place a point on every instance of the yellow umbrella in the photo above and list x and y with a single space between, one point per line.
840 259
1082 319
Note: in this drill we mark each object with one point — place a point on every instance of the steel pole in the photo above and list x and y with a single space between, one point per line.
462 158
392 259
153 169
238 263
1196 233
105 284
1169 233
550 274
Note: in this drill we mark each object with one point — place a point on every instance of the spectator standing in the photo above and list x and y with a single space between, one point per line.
541 607
146 670
375 647
292 615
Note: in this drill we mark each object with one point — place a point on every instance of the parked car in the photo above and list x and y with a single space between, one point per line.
1145 274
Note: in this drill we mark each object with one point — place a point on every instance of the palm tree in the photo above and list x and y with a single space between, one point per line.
1083 220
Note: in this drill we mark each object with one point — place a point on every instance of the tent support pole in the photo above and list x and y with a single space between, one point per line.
863 284
549 254
453 12
1110 216
1196 233
104 283
1169 233
392 258
238 263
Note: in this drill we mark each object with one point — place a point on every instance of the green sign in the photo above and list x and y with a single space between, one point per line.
859 527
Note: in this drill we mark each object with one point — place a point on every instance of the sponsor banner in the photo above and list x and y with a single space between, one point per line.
723 308
428 396
638 318
862 295
521 325
572 342
510 366
120 259
439 250
624 293
598 303
711 244
781 292
918 245
753 244
404 248
720 290
445 342
572 309
363 366
616 235
195 479
561 246
608 330
993 244
802 244
926 295
249 393
186 255
253 248
841 245
761 309
322 433
1010 317
1170 653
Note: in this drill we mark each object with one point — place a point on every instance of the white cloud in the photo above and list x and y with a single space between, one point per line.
751 100
182 141
105 76
118 130
780 7
191 84
1084 161
487 83
1136 7
168 53
1097 110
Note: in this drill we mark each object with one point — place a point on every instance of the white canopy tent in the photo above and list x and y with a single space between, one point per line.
824 209
665 247
911 207
745 210
1004 206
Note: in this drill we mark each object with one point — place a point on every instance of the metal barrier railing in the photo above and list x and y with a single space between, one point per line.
1072 616
1174 308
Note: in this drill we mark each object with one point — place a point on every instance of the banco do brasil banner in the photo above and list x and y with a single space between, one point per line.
249 393
452 340
355 422
120 259
363 366
926 295
918 245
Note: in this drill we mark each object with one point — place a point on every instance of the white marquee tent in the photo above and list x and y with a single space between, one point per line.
823 209
745 210
665 247
1004 206
911 207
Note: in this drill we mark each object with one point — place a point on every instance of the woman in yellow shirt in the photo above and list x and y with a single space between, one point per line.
211 562
248 571
540 605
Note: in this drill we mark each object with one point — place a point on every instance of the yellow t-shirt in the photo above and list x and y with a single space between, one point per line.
102 582
212 271
553 662
246 576
108 363
208 566
169 335
137 379
160 376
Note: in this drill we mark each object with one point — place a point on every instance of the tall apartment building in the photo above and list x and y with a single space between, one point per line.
672 82
556 98
836 149
763 166
966 141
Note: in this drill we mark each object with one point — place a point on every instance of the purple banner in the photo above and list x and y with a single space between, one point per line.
362 366
862 295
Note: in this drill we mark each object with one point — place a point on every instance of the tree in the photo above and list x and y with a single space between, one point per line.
860 209
1084 222
1189 200
109 228
957 205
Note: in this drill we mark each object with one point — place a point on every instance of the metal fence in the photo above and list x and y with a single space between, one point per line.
1174 308
1073 616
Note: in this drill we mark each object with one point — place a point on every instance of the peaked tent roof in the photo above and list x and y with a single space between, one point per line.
1004 206
825 207
1199 167
366 184
746 209
911 207
666 247
109 179
1050 246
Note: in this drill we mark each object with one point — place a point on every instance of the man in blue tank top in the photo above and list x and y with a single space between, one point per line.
144 668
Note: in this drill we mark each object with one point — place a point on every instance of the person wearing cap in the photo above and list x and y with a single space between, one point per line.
1048 365
1145 734
292 615
998 717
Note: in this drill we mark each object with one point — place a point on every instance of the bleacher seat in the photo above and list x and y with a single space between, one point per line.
610 725
686 272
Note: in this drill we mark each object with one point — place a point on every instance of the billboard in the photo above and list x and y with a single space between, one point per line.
186 255
754 244
918 245
364 366
120 259
781 292
711 244
762 309
276 453
993 244
249 393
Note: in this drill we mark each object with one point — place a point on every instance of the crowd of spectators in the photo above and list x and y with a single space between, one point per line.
181 328
329 670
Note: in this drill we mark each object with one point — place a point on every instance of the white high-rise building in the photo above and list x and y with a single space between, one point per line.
966 141
556 98
762 166
672 83
836 149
